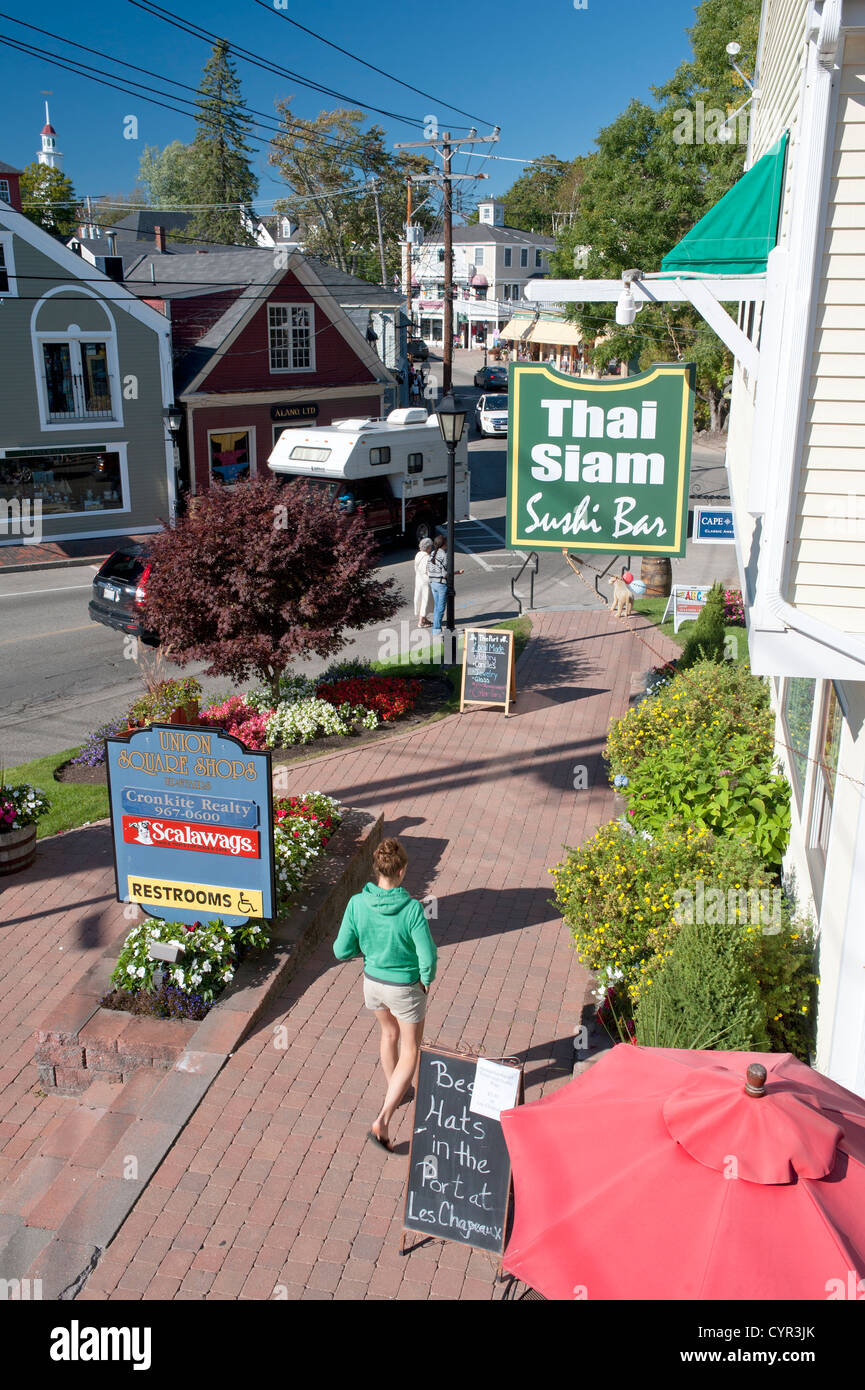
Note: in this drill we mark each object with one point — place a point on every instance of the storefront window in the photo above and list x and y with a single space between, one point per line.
798 713
86 480
229 456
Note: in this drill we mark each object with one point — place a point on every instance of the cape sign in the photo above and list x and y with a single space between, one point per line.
192 822
600 465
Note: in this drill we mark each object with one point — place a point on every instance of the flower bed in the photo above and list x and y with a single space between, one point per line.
695 858
303 826
388 696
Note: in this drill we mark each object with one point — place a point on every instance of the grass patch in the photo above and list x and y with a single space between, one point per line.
71 804
653 609
436 670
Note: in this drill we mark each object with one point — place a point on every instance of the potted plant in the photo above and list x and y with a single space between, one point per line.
20 808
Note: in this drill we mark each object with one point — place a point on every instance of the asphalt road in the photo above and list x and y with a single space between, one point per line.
62 675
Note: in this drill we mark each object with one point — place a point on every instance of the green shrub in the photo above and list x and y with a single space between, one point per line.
707 640
701 750
784 967
704 994
777 957
619 894
163 699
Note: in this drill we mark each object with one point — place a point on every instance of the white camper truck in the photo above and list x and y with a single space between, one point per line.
392 471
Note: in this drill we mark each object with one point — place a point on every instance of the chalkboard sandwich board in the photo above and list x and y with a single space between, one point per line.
459 1172
488 668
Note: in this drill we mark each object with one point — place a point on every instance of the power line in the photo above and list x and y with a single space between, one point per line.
313 34
267 121
246 55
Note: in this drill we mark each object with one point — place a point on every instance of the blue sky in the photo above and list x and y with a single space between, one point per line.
549 74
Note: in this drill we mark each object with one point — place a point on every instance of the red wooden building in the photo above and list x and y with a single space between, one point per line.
273 348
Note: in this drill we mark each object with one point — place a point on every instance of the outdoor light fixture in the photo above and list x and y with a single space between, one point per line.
627 307
451 420
174 416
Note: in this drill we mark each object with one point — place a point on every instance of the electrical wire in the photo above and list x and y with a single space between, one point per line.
266 122
389 75
246 55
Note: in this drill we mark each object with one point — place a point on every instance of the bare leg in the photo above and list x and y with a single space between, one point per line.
410 1040
389 1050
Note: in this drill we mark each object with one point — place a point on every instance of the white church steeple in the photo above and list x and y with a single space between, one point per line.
49 154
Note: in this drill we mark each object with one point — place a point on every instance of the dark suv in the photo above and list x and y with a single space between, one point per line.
119 590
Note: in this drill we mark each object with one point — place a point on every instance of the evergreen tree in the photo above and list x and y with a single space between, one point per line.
48 199
220 154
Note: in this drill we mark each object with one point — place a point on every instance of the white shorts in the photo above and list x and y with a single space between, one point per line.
406 1002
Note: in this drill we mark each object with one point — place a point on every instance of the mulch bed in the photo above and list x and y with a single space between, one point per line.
432 697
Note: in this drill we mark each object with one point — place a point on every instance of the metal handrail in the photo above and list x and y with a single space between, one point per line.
532 555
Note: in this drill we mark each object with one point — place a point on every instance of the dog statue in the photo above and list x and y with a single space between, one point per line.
623 599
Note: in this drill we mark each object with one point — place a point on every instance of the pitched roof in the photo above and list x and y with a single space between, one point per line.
218 337
9 169
479 232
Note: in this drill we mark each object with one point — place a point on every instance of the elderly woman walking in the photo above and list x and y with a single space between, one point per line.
423 601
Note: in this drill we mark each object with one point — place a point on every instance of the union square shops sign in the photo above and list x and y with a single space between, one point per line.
192 823
599 465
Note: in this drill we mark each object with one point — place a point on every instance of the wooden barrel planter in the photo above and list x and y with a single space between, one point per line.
17 849
656 573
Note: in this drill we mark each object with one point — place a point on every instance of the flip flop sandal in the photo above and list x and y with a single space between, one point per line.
382 1143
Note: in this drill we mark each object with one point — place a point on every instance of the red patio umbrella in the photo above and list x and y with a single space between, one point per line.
658 1175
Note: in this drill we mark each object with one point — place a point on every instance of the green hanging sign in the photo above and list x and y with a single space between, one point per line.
599 465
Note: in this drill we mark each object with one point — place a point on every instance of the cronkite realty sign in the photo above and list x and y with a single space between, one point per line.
599 465
192 818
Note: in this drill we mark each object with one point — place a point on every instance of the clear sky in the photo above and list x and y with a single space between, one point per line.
549 74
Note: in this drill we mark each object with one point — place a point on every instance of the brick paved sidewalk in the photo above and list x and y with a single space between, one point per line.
272 1189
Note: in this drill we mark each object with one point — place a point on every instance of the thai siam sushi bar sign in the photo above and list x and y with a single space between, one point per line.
192 822
600 465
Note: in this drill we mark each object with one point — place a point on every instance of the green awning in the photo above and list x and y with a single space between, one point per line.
737 234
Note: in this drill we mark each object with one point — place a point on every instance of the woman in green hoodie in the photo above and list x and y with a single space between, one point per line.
387 926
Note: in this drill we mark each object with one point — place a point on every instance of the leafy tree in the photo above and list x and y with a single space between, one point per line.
647 186
168 176
220 154
328 164
259 575
48 199
545 197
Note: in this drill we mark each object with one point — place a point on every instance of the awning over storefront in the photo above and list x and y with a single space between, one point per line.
556 334
737 234
517 329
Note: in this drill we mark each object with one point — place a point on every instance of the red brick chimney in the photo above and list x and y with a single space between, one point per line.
159 236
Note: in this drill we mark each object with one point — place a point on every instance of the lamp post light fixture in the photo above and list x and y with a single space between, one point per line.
452 422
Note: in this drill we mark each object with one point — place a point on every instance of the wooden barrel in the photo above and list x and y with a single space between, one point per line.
17 849
656 573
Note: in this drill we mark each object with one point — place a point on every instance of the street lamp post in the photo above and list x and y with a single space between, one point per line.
451 423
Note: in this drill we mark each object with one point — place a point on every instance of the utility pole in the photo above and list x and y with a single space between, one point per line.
375 190
448 148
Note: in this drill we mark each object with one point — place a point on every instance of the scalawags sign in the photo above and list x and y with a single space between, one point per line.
599 465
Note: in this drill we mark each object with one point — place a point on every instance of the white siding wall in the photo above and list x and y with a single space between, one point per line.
827 568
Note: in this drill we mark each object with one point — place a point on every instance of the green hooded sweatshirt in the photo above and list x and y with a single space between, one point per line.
388 928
